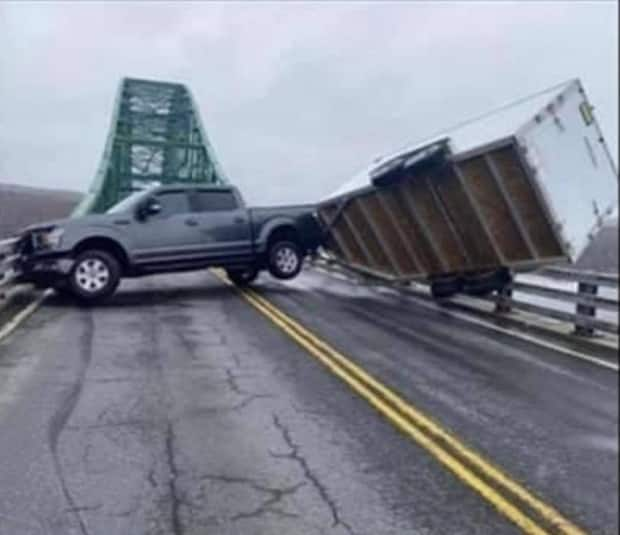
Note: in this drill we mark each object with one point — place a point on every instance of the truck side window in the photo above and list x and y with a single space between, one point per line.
172 203
214 201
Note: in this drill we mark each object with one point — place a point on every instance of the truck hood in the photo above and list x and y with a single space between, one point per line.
89 220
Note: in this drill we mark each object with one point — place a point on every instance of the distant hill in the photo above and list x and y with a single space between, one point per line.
601 254
22 205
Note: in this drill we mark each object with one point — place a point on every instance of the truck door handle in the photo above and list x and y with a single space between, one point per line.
239 220
191 222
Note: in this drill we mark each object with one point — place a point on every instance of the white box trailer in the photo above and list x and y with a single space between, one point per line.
514 190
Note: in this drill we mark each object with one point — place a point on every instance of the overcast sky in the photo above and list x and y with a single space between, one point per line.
295 97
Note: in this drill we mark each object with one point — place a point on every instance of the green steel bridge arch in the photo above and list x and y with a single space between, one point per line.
156 136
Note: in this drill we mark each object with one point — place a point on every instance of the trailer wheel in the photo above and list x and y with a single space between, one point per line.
445 288
486 283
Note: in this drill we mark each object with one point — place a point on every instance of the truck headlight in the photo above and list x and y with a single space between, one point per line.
50 238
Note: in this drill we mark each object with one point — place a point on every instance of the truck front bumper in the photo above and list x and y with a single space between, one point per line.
47 268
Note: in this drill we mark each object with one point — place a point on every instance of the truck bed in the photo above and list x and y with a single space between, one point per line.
307 228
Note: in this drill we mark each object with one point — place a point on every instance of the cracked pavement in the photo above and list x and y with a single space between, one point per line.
176 409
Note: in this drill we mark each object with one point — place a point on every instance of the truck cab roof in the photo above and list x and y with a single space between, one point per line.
176 186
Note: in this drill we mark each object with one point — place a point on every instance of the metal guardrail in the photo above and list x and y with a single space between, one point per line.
577 306
7 261
584 299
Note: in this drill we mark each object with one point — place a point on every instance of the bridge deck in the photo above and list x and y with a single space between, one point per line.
178 408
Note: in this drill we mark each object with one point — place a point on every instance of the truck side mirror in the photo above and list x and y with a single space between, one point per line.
150 207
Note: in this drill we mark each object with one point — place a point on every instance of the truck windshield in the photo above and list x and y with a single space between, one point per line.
128 202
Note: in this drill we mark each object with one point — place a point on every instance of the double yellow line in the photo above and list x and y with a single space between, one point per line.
510 498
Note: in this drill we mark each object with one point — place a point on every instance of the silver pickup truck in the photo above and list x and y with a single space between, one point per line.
167 229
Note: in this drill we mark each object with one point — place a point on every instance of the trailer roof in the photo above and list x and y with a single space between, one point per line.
493 125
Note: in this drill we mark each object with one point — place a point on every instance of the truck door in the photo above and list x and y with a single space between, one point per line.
224 225
170 235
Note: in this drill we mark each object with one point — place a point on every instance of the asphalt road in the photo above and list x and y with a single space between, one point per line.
178 409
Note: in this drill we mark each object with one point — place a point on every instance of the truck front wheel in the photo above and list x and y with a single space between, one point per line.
95 275
284 259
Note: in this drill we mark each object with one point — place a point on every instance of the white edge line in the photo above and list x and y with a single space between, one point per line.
515 334
22 315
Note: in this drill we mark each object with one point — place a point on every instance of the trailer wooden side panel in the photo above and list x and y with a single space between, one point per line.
369 240
388 233
427 259
472 213
528 203
494 209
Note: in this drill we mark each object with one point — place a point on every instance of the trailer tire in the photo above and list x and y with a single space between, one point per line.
486 283
443 289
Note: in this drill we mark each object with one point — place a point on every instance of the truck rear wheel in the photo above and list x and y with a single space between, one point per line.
284 259
95 275
242 277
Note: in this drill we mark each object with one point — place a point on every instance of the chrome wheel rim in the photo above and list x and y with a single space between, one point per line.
286 260
91 275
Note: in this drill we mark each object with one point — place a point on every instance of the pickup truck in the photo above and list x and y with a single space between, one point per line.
163 229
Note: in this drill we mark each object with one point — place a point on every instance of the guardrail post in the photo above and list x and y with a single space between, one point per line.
504 298
590 290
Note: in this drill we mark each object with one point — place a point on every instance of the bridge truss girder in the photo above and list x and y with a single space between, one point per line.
156 136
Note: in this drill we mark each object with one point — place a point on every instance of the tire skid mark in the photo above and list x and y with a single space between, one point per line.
62 415
173 491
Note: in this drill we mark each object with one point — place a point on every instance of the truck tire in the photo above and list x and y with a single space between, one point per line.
284 259
242 277
95 275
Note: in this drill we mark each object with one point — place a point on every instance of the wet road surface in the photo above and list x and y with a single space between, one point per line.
177 409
